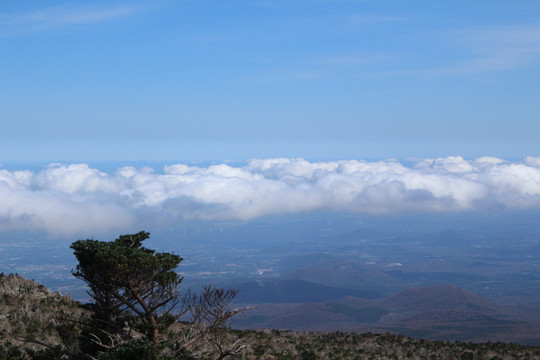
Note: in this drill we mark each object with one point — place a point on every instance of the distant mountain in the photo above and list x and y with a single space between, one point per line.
444 312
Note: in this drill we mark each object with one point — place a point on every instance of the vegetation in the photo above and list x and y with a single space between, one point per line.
135 313
138 312
129 283
33 319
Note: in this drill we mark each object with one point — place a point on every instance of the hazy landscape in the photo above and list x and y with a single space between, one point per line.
350 167
463 276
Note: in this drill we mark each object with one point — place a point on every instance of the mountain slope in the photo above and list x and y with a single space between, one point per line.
28 311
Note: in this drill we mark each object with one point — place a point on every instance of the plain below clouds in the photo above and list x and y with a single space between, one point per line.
68 199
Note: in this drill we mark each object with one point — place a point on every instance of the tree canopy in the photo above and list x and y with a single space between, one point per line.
123 275
135 290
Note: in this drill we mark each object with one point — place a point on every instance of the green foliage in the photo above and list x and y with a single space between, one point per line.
127 279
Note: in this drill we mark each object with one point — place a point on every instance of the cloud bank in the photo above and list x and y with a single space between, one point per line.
68 199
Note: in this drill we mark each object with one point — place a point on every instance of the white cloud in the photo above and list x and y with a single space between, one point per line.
68 199
532 161
57 17
484 50
72 179
58 214
497 48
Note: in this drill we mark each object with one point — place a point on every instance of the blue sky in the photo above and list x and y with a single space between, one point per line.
217 80
370 107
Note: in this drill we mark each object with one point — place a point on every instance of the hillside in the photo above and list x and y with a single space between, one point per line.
31 316
28 311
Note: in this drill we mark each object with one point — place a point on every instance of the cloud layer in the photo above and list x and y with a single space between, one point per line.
71 199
